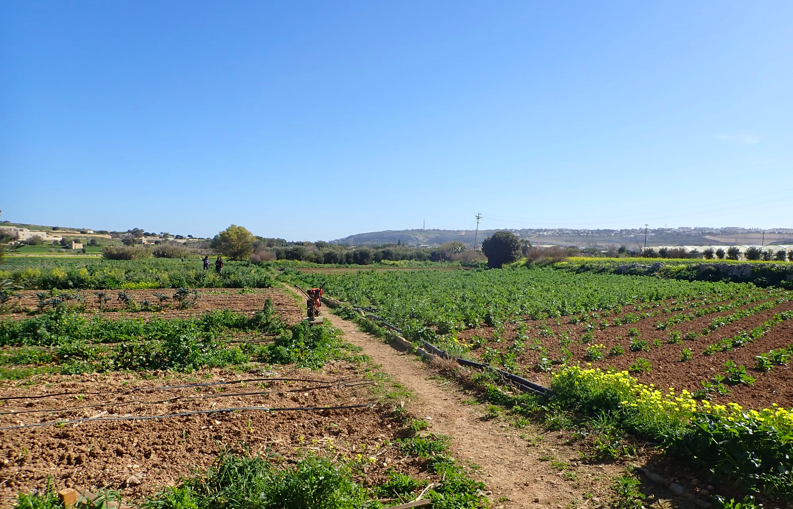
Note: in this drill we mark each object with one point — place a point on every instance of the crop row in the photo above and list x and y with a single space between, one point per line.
132 274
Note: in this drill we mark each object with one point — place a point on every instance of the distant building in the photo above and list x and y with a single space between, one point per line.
75 245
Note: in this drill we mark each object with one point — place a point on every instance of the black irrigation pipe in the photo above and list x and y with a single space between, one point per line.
184 414
339 385
522 383
168 387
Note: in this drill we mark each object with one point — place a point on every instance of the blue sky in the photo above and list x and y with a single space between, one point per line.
316 120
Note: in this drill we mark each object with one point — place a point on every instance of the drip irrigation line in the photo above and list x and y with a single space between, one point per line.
520 382
168 387
184 414
357 383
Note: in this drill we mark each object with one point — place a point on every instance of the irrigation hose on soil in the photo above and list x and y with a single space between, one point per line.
520 382
184 414
185 398
168 387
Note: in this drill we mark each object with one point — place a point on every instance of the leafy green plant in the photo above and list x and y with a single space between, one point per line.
616 351
639 345
686 355
641 365
675 337
627 493
736 374
595 352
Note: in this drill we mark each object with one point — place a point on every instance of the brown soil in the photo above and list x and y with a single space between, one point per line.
140 457
209 299
667 370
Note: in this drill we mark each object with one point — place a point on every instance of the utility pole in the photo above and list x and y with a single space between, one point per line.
762 243
645 236
478 217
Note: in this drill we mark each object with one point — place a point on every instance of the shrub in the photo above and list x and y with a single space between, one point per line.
545 255
35 240
720 253
780 255
171 250
708 253
753 253
733 253
125 252
262 256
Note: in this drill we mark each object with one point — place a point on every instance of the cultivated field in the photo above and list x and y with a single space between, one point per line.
659 356
127 392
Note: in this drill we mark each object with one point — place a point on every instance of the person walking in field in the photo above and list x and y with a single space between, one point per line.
219 264
205 259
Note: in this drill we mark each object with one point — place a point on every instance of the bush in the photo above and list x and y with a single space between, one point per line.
780 255
720 253
753 253
35 240
125 252
171 250
733 253
708 253
262 256
545 255
500 248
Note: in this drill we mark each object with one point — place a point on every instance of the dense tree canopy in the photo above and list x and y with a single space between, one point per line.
235 242
502 247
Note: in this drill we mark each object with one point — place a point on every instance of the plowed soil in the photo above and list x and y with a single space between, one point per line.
209 299
667 369
140 457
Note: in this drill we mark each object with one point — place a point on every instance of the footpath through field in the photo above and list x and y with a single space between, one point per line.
511 469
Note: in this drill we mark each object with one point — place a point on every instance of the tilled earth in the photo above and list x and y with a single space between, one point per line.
209 299
140 457
667 369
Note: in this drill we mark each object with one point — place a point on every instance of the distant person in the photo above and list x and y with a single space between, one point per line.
205 259
219 264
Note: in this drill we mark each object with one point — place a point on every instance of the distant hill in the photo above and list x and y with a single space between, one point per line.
632 238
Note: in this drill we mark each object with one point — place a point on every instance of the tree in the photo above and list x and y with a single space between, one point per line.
500 248
753 253
35 240
720 253
708 253
733 252
780 255
235 242
128 241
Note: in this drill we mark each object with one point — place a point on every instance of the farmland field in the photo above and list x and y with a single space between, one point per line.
533 322
136 390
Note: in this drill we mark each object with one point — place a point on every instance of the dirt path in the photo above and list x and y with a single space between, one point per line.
511 465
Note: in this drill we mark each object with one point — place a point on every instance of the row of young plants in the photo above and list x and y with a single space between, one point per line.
99 274
67 342
457 300
720 308
746 337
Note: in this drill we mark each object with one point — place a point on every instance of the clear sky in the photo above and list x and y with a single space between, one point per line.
315 120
